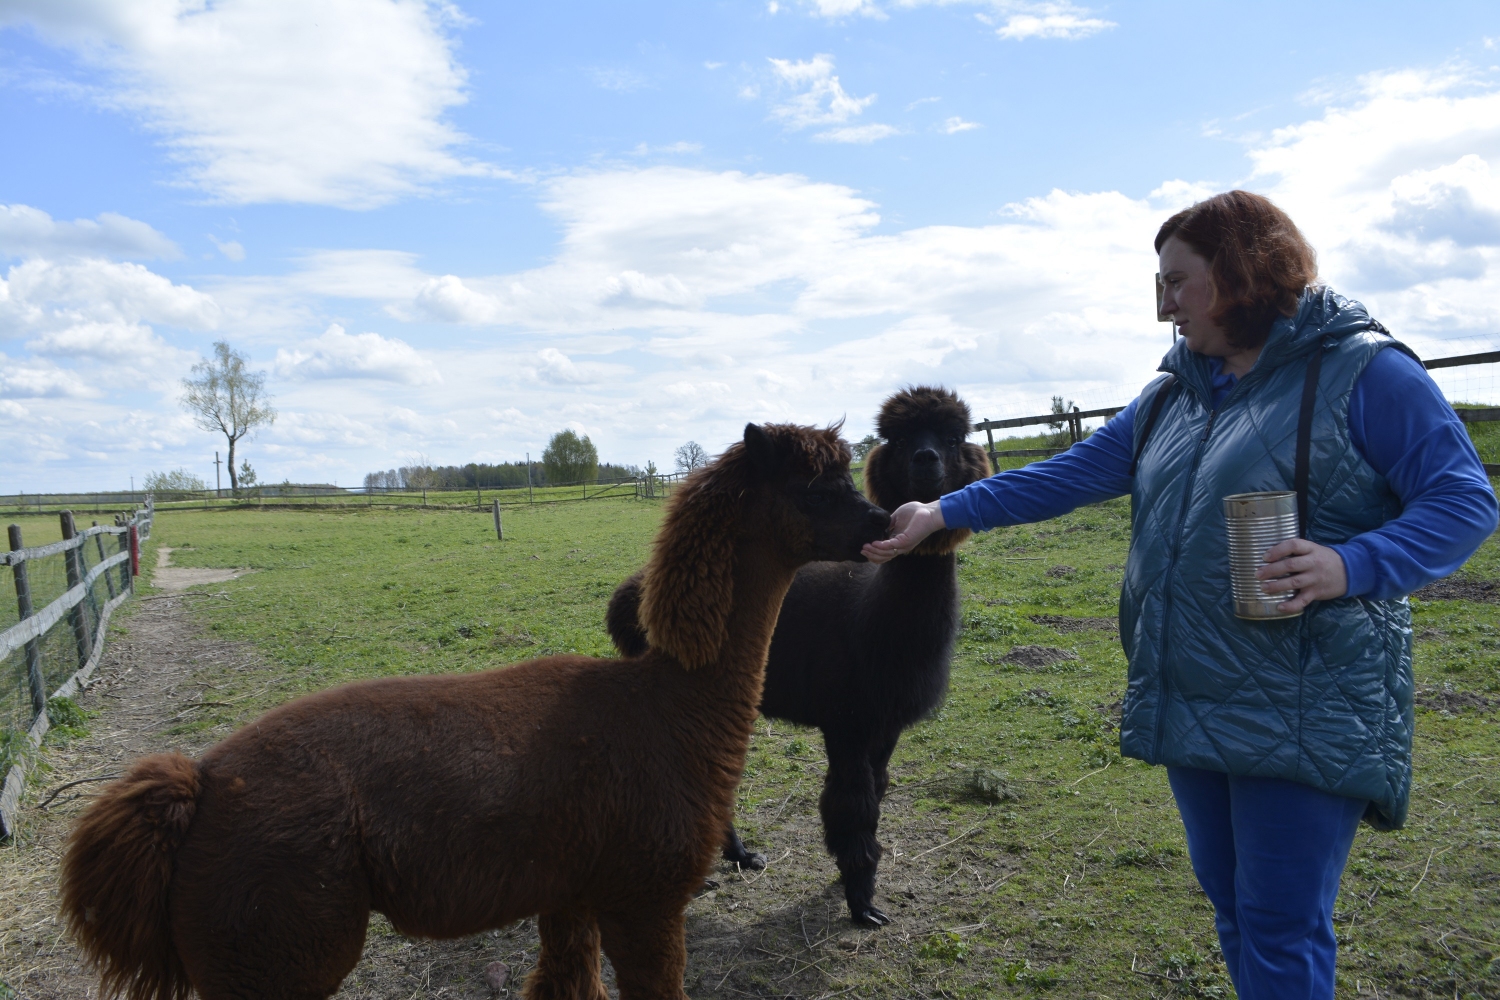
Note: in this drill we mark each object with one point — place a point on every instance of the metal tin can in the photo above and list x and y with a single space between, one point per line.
1256 522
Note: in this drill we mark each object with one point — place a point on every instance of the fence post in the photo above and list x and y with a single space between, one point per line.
498 535
990 436
126 581
109 578
23 609
71 562
478 498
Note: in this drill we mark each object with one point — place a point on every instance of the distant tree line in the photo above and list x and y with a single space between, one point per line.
567 458
509 475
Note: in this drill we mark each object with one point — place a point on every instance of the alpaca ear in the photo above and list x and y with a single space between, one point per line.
762 452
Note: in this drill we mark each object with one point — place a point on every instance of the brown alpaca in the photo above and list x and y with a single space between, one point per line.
862 652
591 792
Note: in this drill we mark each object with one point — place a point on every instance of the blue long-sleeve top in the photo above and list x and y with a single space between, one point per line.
1398 421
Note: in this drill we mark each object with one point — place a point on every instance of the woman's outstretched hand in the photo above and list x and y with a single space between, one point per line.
1315 571
911 523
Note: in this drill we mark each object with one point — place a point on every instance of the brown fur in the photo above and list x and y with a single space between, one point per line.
862 652
591 792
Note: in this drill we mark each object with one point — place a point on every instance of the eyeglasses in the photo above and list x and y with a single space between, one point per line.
1162 317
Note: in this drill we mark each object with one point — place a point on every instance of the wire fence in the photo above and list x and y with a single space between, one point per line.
53 636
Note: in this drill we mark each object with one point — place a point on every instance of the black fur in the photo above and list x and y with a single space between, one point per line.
862 651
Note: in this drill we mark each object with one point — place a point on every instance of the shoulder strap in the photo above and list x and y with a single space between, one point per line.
1157 403
1304 436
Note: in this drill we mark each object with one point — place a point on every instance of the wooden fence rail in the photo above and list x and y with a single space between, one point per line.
80 605
321 497
1074 418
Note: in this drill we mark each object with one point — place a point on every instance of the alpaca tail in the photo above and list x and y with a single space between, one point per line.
116 874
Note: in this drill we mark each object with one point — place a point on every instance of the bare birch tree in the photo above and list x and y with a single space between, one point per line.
223 395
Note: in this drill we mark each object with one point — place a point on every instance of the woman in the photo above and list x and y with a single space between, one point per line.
1278 736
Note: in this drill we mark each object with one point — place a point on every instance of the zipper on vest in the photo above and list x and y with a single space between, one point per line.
1166 603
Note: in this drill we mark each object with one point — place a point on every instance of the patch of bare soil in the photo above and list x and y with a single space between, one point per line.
1037 657
1449 699
1456 589
1068 623
783 932
173 578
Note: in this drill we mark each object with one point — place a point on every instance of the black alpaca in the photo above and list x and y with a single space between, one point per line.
862 651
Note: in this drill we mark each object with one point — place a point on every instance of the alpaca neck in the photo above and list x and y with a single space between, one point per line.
761 581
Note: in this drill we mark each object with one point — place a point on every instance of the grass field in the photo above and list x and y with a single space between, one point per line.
1056 866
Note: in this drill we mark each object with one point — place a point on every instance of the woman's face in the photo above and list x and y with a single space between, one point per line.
1186 294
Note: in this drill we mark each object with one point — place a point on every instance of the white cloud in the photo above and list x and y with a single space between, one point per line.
1408 218
618 79
337 354
232 249
348 112
643 149
680 298
823 101
30 232
862 134
956 124
844 8
1015 20
1049 20
38 379
44 293
450 300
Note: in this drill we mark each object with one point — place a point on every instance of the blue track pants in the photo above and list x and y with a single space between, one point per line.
1269 853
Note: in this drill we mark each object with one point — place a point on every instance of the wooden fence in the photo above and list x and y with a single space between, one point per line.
1075 418
34 643
292 497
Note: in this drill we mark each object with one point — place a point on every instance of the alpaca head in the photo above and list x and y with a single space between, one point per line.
785 489
925 455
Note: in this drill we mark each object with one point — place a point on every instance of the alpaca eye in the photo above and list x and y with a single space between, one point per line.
815 499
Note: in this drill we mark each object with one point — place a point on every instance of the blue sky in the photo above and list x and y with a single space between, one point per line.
449 230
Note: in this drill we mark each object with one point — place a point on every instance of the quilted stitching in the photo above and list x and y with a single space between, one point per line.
1318 700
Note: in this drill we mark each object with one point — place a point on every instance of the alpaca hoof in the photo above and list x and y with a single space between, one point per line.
752 861
709 885
868 916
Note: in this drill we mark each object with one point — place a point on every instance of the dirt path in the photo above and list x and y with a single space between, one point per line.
169 577
781 933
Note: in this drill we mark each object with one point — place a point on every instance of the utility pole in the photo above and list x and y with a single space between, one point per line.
218 489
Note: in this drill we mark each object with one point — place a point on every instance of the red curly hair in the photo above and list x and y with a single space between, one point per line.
1258 261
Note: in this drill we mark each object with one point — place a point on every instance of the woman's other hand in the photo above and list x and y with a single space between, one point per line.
1315 571
911 523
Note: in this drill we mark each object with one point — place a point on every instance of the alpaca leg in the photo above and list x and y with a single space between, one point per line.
880 761
648 952
735 851
850 808
568 968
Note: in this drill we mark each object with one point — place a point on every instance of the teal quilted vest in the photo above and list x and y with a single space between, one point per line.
1324 699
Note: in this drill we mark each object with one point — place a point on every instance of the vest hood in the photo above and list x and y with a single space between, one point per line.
1323 317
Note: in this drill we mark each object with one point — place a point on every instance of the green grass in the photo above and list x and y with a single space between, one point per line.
1103 900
